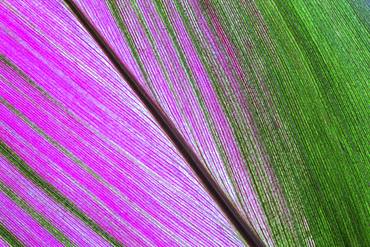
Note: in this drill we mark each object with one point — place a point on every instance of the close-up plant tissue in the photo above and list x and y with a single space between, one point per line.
184 123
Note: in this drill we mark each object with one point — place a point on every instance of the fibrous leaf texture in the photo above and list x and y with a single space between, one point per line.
268 98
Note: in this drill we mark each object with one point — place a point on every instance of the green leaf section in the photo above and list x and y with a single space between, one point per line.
315 58
9 237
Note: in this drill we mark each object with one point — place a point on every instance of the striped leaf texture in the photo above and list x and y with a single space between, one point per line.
184 123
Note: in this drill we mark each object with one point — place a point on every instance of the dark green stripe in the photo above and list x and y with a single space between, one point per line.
51 191
38 217
9 237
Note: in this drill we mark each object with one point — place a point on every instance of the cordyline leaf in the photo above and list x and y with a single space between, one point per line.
100 175
201 123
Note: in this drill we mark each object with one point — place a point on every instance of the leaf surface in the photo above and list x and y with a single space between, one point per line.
270 95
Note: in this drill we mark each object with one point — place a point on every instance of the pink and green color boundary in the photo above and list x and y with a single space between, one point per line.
271 96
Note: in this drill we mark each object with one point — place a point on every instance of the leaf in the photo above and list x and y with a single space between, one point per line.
268 95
